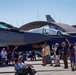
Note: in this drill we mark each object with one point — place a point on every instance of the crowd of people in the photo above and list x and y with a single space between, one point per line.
17 59
60 51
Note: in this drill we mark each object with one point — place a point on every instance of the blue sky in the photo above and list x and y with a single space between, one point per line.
19 12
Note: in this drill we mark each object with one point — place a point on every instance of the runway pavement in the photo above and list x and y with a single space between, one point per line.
41 70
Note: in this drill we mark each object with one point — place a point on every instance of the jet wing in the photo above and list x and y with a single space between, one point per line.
8 37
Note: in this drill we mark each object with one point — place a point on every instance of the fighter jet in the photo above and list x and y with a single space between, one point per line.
34 38
56 35
48 31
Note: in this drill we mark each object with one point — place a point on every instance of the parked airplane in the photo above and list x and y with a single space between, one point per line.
48 31
33 39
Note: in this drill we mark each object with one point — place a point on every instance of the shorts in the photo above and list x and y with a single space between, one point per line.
72 59
57 57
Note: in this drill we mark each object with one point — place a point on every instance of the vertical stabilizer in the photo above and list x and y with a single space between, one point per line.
49 18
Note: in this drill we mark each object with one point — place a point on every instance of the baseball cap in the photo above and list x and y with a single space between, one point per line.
57 44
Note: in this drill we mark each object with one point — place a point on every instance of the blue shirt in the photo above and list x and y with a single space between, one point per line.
18 68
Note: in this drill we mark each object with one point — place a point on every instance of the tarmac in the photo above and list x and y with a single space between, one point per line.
41 70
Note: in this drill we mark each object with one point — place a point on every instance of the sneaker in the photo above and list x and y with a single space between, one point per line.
51 65
43 64
73 69
58 65
55 66
65 67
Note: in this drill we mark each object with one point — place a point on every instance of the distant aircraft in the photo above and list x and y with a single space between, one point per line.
48 31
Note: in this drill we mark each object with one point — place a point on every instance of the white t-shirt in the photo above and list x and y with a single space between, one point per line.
55 48
3 54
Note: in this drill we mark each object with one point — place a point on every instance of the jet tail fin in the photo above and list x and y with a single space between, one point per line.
49 18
